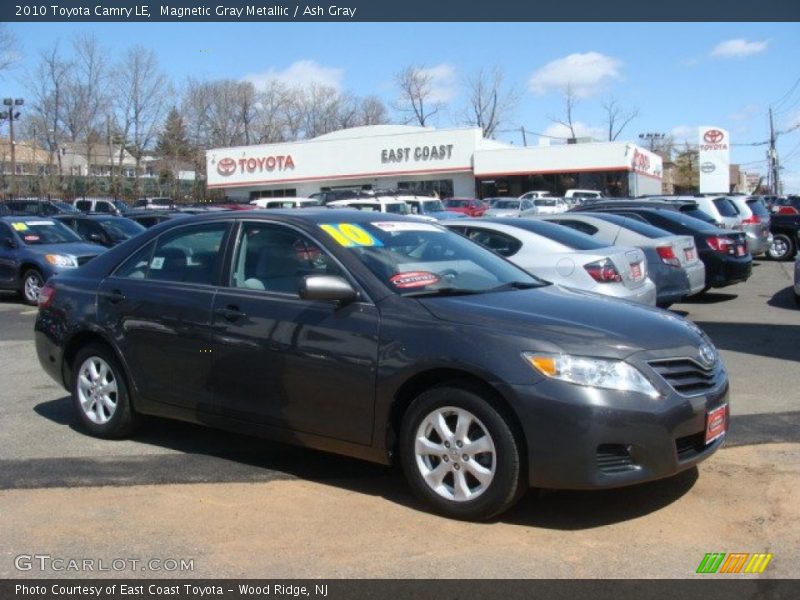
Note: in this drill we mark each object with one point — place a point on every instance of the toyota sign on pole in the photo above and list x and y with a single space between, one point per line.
715 159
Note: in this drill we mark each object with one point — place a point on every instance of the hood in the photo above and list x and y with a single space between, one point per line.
502 212
444 215
574 321
73 248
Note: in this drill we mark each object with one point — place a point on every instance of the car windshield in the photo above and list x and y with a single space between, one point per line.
507 204
44 231
758 208
397 208
423 259
121 229
725 207
645 229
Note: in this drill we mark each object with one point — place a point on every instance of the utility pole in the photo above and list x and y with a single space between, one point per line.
774 184
524 139
12 116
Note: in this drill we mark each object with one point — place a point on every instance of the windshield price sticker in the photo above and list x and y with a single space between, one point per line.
414 279
31 238
390 226
19 226
350 235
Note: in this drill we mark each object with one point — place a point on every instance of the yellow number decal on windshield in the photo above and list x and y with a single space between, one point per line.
350 235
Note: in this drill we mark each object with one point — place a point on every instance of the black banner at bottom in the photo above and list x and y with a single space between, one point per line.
713 588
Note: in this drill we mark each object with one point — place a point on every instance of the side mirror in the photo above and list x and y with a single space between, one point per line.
327 287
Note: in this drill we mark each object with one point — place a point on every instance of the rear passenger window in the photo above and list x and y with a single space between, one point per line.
103 207
275 259
190 255
503 244
83 205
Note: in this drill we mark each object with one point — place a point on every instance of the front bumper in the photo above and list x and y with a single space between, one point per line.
587 438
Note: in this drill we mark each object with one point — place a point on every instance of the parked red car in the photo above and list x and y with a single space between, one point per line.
468 206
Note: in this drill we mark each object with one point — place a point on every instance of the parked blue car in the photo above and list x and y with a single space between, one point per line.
33 249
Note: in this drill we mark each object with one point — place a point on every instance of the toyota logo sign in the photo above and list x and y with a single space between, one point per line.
708 167
226 166
713 136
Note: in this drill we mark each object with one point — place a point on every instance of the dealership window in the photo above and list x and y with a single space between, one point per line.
285 193
443 187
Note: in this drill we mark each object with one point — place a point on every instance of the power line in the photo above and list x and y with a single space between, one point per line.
777 103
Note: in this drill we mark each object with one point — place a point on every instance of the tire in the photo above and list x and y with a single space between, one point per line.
455 491
32 282
109 415
782 247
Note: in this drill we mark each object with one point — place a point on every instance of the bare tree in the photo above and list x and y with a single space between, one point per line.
140 91
273 107
617 117
568 120
47 85
8 48
416 99
372 111
489 103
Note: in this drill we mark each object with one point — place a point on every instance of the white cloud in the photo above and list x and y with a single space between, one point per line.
684 133
738 48
581 130
586 74
301 73
443 82
746 113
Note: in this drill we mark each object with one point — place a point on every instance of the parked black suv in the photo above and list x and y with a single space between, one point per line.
384 338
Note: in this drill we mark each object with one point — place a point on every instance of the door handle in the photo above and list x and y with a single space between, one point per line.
229 313
114 296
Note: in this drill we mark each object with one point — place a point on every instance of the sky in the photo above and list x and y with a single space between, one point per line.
679 75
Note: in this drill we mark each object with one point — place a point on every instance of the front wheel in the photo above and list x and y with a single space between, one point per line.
782 247
460 454
100 393
32 284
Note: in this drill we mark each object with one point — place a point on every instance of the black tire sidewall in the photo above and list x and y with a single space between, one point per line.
25 276
124 419
790 249
507 486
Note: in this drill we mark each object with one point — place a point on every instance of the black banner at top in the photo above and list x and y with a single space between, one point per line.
397 10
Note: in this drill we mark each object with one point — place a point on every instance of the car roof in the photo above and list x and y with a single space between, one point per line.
90 216
313 216
25 218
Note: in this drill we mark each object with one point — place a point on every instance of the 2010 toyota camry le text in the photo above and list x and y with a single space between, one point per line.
388 339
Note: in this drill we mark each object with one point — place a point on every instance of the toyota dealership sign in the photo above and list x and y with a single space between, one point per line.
715 158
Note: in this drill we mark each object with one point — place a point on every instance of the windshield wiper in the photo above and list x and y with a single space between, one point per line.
517 285
442 291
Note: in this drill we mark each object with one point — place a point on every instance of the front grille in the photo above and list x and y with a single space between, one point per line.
686 376
82 260
614 458
690 446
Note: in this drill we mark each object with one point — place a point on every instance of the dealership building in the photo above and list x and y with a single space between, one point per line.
453 162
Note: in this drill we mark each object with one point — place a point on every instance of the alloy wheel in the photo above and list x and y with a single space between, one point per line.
97 390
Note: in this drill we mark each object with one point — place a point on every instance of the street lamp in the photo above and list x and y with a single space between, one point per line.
652 139
12 115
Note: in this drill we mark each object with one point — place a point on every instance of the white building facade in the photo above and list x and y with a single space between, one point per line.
453 162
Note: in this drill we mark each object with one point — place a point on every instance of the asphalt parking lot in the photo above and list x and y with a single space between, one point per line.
240 507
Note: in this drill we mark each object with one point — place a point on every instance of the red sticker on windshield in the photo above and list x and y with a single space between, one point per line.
413 279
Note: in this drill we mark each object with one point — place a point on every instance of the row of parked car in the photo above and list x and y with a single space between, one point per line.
656 251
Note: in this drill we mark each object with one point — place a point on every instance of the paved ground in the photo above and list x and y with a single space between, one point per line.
244 507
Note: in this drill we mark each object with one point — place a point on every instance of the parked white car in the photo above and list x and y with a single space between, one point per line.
286 202
548 206
565 257
583 194
111 206
719 208
387 204
158 203
535 194
508 207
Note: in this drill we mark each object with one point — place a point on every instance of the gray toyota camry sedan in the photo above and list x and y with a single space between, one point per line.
387 339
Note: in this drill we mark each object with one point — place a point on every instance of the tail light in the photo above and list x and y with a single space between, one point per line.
751 220
603 271
667 255
46 296
720 244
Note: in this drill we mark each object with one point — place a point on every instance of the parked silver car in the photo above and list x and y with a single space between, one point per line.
508 207
756 220
565 257
673 262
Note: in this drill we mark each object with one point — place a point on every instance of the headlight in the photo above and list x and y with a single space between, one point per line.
61 260
591 372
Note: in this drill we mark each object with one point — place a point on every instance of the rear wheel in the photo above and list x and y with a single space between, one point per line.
32 283
782 247
460 454
100 393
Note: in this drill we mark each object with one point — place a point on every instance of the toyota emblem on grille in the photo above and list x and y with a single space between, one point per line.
707 355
